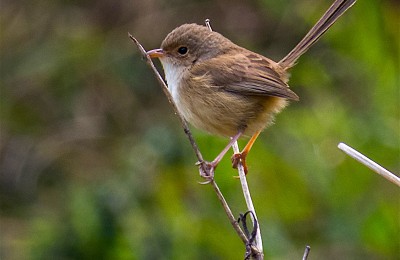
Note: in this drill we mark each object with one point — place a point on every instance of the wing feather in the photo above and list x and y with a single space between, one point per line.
248 74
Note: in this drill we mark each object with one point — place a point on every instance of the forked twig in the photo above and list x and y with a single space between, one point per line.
199 156
369 163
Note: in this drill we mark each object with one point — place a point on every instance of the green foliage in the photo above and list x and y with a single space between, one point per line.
94 164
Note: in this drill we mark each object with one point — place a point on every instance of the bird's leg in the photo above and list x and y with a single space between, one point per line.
241 157
207 168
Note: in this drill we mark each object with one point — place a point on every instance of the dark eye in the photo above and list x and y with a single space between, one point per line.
183 50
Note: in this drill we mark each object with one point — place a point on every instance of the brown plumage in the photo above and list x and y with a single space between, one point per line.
228 90
222 88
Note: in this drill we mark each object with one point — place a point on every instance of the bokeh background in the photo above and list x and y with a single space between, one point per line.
94 163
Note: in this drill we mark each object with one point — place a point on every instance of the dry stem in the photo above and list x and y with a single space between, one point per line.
247 197
369 163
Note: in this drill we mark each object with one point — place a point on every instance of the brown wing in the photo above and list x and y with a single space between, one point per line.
248 74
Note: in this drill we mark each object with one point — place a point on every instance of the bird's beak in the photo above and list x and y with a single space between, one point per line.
156 53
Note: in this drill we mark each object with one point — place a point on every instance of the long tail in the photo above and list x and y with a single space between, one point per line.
331 15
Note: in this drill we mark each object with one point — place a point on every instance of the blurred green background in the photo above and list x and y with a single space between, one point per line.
94 163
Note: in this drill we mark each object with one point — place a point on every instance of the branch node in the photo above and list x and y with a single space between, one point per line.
306 252
207 22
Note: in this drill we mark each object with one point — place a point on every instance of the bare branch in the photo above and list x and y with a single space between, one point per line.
247 197
369 163
228 212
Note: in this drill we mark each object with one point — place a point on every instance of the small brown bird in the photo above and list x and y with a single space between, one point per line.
228 90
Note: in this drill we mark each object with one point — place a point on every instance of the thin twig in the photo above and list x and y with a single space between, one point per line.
199 156
247 197
369 163
228 211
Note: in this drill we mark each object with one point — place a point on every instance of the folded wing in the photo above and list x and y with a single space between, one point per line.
247 74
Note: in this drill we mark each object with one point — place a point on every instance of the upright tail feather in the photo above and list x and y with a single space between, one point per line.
331 15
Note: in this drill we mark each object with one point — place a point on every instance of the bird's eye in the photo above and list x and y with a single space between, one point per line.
182 50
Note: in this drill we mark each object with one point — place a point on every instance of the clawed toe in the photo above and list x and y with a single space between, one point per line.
206 170
239 158
236 158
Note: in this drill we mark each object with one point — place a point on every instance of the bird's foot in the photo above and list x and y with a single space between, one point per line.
239 158
206 170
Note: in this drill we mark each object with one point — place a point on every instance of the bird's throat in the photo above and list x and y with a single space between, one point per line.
173 76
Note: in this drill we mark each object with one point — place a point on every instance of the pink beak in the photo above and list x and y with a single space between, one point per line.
156 53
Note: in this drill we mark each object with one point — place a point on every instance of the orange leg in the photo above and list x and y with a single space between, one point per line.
241 157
